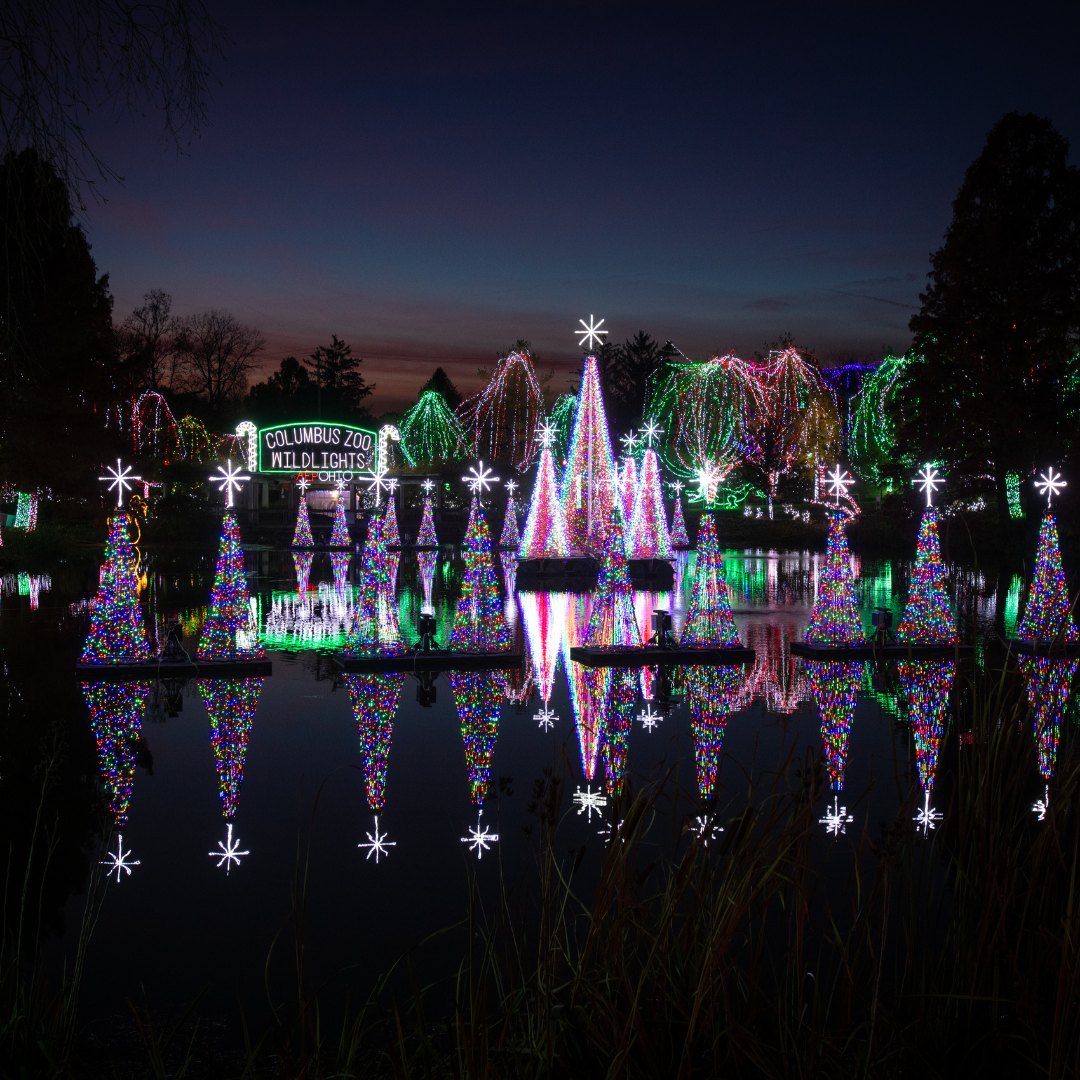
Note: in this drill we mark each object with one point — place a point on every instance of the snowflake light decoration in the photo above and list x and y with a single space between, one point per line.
480 479
839 482
480 841
927 818
611 830
705 827
428 486
511 486
121 860
648 718
676 486
929 481
589 800
546 434
651 430
592 333
546 718
1040 806
228 853
303 483
378 844
836 819
630 441
1048 484
121 479
229 479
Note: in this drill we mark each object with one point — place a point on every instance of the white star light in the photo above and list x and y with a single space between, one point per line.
428 486
1040 807
546 717
705 827
929 481
707 479
927 818
303 483
121 478
511 486
648 718
229 479
839 482
630 441
607 832
837 819
377 482
592 333
121 860
589 800
546 433
676 486
651 431
480 479
478 841
1048 485
377 844
228 853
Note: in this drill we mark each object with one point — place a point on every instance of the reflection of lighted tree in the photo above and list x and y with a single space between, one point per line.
427 561
619 717
776 676
835 686
544 616
1048 682
116 719
339 560
588 688
302 568
926 685
713 695
230 704
478 696
374 701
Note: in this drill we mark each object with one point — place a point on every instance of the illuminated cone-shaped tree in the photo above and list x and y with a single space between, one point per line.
478 696
617 723
375 627
649 537
926 685
479 622
116 633
1048 682
835 687
713 694
510 538
612 620
709 620
390 525
339 536
679 537
628 488
544 615
477 537
588 486
545 530
835 618
230 631
928 617
1047 614
374 702
302 567
116 718
427 537
230 704
302 538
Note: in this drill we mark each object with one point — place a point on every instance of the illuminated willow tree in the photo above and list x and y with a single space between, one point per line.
706 412
873 431
431 432
500 422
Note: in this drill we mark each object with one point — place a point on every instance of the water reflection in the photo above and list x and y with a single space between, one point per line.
116 720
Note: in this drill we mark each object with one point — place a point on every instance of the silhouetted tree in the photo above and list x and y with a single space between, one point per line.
287 394
625 371
999 324
339 386
151 343
219 353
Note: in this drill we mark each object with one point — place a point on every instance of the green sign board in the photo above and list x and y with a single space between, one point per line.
338 450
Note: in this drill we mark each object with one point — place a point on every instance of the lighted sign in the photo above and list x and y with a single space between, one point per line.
316 447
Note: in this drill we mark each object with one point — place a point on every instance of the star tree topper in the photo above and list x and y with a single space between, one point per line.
229 479
929 480
303 483
1048 484
592 333
651 431
428 486
121 479
480 479
546 433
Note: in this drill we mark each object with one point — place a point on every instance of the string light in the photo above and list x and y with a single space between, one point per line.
302 537
374 700
679 536
1048 614
117 634
375 628
834 686
228 479
713 695
431 432
618 720
339 535
835 618
478 696
649 536
502 418
626 483
709 619
928 617
116 720
926 685
427 537
229 631
545 530
230 705
510 538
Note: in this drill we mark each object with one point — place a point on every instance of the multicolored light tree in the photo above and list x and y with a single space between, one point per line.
230 705
375 627
588 493
390 532
117 634
928 617
627 485
612 619
427 537
1048 614
709 620
835 618
649 537
230 631
302 537
926 685
478 696
477 537
510 540
835 687
340 560
1048 682
588 686
116 720
302 568
679 536
501 420
479 622
339 536
545 530
618 719
374 700
713 694
430 432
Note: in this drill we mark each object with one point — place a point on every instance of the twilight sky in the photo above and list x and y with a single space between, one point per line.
432 182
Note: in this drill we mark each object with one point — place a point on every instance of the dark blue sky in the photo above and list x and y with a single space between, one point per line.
431 184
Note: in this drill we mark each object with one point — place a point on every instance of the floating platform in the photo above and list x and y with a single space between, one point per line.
428 661
184 669
894 650
569 574
631 656
1054 647
412 547
651 573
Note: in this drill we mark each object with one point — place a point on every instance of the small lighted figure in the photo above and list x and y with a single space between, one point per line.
607 832
1048 484
704 826
927 818
839 482
229 479
651 431
120 860
836 819
480 479
120 478
228 852
378 844
480 841
303 483
929 480
545 434
428 486
546 718
592 333
630 441
648 718
1040 806
589 800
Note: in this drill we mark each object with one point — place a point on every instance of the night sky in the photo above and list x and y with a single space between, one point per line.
432 184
